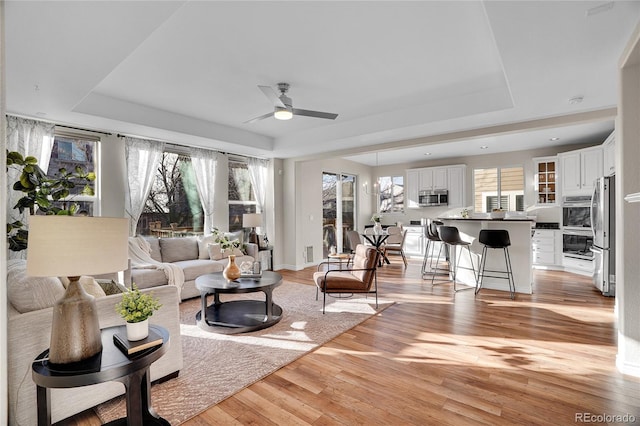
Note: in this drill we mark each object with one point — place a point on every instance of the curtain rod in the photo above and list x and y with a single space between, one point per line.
84 130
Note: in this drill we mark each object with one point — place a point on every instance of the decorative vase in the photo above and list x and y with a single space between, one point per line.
137 330
377 228
231 272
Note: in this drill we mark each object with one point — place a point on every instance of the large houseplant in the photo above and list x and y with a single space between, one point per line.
40 192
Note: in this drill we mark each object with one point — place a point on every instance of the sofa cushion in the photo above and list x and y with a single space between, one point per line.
30 293
194 268
155 252
178 248
147 278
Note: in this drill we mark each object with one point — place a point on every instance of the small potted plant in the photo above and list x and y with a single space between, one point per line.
136 308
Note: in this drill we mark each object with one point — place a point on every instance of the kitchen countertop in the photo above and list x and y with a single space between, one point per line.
487 219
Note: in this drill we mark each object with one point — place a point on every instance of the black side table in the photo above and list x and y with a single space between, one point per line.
111 365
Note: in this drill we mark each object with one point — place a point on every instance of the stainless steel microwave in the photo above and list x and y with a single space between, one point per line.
438 197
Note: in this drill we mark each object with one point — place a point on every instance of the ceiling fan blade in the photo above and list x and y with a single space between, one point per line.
272 96
262 117
316 114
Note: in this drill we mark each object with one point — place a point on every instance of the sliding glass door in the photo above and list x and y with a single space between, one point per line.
338 210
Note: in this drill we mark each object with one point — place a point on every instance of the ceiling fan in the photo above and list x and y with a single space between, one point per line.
283 106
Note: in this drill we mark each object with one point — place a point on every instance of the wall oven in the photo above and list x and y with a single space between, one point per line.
576 212
576 244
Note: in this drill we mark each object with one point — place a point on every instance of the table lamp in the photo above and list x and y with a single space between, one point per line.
71 246
252 220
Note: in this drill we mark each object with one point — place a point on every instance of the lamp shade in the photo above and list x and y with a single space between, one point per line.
251 220
69 246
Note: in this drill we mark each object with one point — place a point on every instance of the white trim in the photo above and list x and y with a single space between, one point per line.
632 198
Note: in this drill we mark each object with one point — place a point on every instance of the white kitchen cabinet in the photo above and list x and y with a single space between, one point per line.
451 178
433 178
609 155
456 187
579 169
414 242
545 248
545 181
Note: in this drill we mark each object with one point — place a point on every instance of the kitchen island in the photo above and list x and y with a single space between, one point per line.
519 251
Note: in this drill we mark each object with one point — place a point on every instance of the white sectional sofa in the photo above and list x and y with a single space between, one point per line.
191 254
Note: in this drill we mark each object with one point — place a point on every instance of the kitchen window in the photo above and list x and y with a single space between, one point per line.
498 188
391 194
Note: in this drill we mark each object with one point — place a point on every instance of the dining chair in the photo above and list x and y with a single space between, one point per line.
395 242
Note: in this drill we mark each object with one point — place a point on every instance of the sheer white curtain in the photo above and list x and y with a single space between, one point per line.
204 163
142 158
29 138
258 173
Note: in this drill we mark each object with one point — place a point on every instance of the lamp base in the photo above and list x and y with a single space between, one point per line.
75 330
253 237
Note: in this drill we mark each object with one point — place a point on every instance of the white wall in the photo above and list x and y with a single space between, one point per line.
627 214
302 205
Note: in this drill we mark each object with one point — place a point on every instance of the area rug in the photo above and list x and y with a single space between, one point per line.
216 366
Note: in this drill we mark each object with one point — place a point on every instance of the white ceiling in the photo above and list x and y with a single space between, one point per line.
404 77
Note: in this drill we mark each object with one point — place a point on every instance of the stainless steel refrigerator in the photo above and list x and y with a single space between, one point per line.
603 225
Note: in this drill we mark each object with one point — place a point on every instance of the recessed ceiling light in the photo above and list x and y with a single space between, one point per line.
576 100
427 153
484 147
554 139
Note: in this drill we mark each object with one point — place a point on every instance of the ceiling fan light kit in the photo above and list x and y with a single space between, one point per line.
282 113
283 106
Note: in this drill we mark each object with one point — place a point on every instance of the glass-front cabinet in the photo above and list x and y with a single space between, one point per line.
546 180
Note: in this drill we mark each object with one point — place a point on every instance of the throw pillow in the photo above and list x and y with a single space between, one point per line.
238 252
111 287
30 293
235 236
215 251
203 245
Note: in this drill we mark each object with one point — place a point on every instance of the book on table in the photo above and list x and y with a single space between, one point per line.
130 347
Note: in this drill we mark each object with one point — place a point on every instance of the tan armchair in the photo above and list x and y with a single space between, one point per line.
360 278
395 242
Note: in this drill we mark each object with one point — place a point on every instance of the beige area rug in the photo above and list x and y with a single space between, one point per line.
217 366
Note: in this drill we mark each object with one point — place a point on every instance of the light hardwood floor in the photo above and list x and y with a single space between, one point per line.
439 358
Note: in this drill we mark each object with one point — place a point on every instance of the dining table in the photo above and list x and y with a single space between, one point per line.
377 240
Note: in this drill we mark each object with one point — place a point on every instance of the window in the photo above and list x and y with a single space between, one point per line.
391 194
498 188
173 207
241 197
70 152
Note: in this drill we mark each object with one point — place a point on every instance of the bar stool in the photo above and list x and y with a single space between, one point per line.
431 234
496 239
451 237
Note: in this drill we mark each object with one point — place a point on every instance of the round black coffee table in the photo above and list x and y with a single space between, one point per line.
238 316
